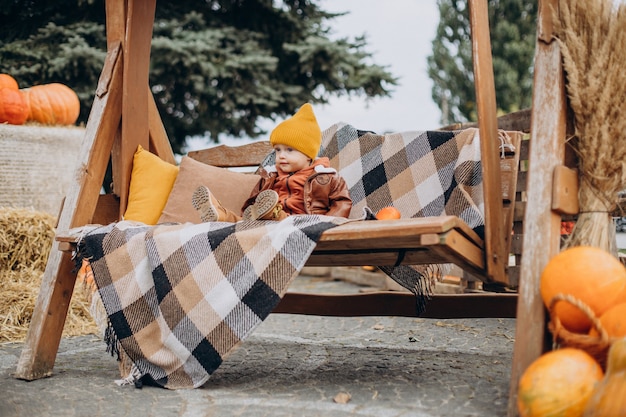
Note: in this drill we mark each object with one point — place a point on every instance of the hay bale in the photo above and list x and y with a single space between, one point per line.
25 238
25 241
37 164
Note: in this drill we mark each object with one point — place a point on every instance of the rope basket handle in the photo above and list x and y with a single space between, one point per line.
595 321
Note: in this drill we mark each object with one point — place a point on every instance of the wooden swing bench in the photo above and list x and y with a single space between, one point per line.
519 219
416 241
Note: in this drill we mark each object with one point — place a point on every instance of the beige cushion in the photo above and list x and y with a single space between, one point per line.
230 187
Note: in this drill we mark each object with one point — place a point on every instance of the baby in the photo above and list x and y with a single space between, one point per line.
298 183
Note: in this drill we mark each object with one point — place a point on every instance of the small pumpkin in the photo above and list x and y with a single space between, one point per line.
589 274
609 397
13 109
52 104
613 321
7 81
388 213
558 383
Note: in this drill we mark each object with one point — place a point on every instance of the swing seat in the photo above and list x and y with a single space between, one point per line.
408 241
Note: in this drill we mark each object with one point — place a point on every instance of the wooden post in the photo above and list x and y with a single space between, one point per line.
139 22
44 333
541 224
495 237
123 115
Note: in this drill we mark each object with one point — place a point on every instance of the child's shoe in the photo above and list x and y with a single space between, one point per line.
265 207
210 208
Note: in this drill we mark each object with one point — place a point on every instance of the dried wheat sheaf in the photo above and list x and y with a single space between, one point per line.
592 36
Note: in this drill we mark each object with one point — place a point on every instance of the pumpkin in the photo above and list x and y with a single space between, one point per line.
388 213
589 274
13 109
613 321
609 397
558 383
7 81
52 104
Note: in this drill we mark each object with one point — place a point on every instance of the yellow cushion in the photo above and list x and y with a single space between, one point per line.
151 181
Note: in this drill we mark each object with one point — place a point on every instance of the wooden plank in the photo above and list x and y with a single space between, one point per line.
115 23
107 209
542 225
135 131
516 121
495 239
390 233
251 154
565 190
464 253
44 332
380 257
159 143
396 303
511 192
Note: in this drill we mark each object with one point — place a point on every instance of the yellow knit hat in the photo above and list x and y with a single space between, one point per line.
300 132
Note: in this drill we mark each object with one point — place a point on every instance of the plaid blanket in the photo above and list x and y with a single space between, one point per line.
421 173
180 298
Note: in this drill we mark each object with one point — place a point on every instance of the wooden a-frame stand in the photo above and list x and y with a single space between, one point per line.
124 115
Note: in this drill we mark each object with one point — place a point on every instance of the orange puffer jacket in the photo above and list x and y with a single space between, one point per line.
317 189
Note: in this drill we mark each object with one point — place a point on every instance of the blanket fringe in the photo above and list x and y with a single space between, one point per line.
112 342
133 378
419 279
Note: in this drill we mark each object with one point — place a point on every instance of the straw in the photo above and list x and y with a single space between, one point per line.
593 43
25 242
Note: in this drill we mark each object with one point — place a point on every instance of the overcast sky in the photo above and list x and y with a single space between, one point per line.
399 36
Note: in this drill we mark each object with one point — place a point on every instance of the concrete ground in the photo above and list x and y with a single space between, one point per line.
295 366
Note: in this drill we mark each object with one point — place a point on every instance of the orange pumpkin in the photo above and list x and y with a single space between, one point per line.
7 81
609 397
558 383
388 213
613 321
589 274
13 109
52 104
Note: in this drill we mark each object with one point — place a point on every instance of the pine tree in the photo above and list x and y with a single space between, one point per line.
512 25
217 67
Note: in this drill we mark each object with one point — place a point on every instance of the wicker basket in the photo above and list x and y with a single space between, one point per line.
596 346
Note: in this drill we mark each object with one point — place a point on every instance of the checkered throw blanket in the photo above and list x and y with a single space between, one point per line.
421 173
180 298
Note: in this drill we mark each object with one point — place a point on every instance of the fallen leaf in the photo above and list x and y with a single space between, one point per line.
378 327
342 398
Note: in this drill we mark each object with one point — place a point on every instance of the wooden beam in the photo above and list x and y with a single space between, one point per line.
495 240
396 303
135 131
115 22
159 143
44 332
541 224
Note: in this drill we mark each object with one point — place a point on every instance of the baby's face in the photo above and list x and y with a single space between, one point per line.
289 159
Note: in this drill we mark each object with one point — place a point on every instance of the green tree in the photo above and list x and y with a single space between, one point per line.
512 25
217 66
